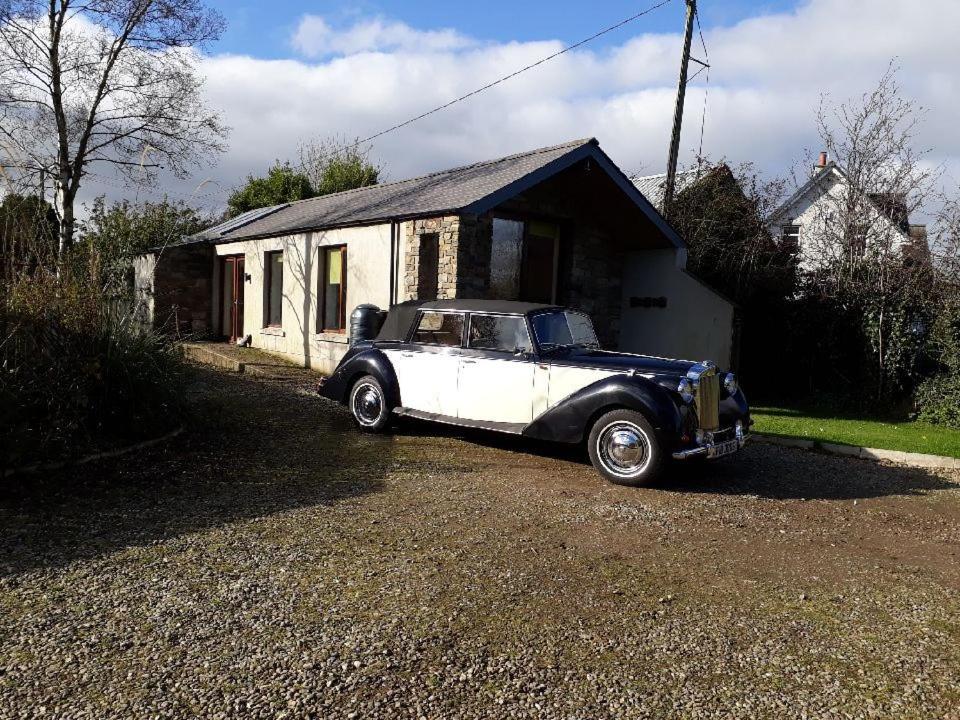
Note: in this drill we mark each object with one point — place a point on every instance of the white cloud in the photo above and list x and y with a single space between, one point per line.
767 78
314 38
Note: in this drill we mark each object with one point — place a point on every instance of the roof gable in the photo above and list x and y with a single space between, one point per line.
891 207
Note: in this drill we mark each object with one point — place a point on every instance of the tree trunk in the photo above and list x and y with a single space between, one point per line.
67 223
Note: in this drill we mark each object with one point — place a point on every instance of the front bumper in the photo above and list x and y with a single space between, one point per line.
717 444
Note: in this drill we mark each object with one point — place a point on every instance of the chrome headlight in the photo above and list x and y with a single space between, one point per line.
685 388
730 383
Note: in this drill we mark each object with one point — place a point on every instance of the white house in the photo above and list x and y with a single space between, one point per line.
561 224
811 219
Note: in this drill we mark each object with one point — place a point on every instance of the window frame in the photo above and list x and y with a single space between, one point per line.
325 251
412 338
792 237
532 347
267 286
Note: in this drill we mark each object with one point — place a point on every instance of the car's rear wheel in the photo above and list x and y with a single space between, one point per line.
623 448
368 405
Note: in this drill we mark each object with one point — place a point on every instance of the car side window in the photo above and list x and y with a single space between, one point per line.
436 328
507 333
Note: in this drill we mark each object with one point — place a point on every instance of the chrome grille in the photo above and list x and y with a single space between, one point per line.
708 399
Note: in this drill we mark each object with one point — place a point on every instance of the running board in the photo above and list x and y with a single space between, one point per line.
510 428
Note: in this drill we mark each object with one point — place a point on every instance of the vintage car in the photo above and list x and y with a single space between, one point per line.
537 371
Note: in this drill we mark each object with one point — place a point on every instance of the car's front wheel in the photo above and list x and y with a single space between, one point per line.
623 448
368 405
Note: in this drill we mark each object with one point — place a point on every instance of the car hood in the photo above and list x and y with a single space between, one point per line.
620 361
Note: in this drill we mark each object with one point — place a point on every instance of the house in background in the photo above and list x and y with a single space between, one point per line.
883 218
561 225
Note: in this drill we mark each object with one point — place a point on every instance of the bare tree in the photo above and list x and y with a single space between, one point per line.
103 81
859 250
881 180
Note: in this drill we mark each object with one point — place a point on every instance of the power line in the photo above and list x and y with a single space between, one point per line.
496 82
706 89
472 93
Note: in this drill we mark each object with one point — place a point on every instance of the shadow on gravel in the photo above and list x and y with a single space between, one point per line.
253 449
760 469
788 474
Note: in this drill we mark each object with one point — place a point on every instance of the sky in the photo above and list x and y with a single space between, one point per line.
285 72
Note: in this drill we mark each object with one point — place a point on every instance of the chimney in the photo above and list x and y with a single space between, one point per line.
822 162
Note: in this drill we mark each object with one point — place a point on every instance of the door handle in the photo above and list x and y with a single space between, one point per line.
406 354
469 362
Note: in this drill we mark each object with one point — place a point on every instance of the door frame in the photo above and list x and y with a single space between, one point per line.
238 281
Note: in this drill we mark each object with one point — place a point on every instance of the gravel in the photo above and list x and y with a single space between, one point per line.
273 562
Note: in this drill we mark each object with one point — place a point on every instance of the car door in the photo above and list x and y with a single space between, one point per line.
427 367
496 370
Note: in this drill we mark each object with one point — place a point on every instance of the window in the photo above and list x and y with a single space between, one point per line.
273 285
499 332
428 266
437 328
538 273
564 328
858 241
333 289
506 253
790 237
523 260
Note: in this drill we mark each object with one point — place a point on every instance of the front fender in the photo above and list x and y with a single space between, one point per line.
568 421
357 363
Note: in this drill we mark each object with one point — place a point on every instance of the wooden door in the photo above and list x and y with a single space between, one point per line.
232 302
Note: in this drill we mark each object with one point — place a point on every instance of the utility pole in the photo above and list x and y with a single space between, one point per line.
671 183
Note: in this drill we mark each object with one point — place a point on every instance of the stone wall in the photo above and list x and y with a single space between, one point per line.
447 230
183 289
589 269
590 278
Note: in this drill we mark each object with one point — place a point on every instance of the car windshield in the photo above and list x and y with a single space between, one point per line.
564 329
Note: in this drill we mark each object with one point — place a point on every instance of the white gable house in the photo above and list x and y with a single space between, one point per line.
829 217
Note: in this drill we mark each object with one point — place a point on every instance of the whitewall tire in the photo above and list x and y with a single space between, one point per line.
623 448
368 405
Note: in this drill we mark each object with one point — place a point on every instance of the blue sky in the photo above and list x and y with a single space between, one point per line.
288 72
263 29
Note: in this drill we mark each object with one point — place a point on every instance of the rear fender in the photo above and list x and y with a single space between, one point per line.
570 420
356 364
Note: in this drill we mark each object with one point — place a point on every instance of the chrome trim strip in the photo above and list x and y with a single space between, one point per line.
509 428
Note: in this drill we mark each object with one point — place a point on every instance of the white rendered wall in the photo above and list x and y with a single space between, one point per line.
368 281
696 324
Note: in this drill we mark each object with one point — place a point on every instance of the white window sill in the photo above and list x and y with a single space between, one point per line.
278 331
331 337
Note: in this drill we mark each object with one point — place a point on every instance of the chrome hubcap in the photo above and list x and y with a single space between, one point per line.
624 449
367 404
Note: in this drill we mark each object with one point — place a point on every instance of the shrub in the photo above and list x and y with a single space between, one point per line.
938 400
76 374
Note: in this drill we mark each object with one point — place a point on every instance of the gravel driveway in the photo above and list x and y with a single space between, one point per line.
275 563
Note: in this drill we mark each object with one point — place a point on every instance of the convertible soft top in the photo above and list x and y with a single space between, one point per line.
511 307
396 326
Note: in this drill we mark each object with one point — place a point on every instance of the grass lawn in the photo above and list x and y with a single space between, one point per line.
848 429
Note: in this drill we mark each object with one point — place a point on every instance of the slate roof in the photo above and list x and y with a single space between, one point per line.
652 186
447 191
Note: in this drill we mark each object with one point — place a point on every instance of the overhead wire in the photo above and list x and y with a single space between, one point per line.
706 89
488 86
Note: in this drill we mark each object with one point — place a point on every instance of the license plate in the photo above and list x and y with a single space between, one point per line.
725 448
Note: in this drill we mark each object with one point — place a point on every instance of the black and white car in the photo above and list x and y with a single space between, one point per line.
538 371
